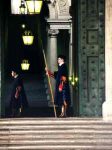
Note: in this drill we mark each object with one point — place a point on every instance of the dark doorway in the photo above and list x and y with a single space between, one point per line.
33 79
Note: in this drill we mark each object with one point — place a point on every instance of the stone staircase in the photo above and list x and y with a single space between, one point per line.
35 88
36 95
35 91
55 134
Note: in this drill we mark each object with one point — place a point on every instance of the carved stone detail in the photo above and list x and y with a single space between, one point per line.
59 24
53 2
53 32
59 9
53 10
63 8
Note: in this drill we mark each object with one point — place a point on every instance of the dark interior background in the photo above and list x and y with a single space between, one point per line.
16 50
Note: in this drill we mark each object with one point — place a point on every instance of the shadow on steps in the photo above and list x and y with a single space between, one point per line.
40 112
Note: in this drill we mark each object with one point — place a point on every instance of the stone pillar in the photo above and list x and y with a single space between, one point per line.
52 54
107 105
47 58
53 49
71 64
48 50
70 53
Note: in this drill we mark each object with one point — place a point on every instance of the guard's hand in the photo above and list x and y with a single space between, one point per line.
16 96
46 70
63 78
61 87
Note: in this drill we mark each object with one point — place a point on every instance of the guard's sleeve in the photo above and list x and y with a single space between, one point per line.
18 90
55 74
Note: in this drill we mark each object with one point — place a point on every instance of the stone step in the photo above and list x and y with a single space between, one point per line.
52 136
57 147
58 132
58 121
54 127
55 119
55 144
55 134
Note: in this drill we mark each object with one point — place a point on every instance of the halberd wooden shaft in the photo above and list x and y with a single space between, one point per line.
50 86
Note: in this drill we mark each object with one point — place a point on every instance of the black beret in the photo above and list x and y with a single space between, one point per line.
15 69
62 57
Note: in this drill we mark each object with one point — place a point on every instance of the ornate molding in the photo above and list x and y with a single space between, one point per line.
63 8
53 32
53 2
59 24
52 9
59 9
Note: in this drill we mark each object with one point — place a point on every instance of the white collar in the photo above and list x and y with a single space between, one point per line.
16 76
61 63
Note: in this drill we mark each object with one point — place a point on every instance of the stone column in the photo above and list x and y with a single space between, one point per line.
47 59
52 54
53 49
48 50
107 105
70 53
71 61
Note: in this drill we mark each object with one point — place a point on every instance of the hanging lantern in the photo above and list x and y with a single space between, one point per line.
25 65
26 6
28 38
34 6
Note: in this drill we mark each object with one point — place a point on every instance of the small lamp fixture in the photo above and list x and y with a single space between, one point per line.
28 38
73 80
25 65
22 7
34 6
70 78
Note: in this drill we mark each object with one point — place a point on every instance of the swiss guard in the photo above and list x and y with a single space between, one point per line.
62 91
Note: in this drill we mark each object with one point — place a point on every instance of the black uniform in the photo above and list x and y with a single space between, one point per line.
20 101
64 95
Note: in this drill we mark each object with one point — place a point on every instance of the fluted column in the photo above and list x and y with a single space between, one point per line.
70 61
107 105
71 68
52 54
53 49
48 50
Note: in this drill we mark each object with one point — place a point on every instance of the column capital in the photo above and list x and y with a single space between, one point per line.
53 32
53 2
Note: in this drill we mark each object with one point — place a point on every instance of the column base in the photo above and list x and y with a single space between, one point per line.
107 111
